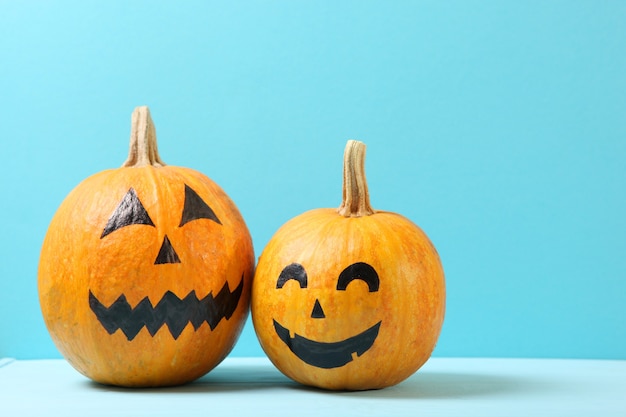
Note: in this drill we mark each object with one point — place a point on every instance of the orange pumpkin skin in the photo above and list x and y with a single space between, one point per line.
78 260
408 304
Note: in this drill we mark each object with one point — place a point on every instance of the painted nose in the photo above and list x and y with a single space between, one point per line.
167 254
318 312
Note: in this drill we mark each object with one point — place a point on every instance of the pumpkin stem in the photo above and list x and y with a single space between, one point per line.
356 197
143 144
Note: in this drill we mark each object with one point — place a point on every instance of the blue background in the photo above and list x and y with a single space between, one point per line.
498 127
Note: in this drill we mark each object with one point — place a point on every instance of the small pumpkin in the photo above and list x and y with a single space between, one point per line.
145 271
349 298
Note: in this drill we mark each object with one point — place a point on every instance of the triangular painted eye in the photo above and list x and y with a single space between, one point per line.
195 208
129 211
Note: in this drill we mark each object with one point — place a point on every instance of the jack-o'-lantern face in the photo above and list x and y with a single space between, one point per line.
315 306
337 305
318 351
154 276
146 270
170 310
349 298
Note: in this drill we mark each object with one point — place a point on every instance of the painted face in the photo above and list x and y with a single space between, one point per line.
145 272
317 350
170 310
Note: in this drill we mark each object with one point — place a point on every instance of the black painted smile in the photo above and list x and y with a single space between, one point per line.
328 355
172 311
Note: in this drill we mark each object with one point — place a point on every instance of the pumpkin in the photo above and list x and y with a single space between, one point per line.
350 298
145 271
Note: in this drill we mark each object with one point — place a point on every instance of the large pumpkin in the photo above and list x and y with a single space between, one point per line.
145 271
349 298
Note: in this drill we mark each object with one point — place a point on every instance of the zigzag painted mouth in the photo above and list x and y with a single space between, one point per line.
328 355
172 311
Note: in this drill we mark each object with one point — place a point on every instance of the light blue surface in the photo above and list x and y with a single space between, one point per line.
498 127
444 387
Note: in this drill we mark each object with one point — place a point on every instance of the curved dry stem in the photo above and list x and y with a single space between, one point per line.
356 198
143 144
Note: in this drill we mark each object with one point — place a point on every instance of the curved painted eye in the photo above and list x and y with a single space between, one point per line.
294 271
359 270
129 211
196 208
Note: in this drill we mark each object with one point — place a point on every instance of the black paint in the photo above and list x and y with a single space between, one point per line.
196 208
167 254
318 312
294 271
129 211
172 311
328 355
359 270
